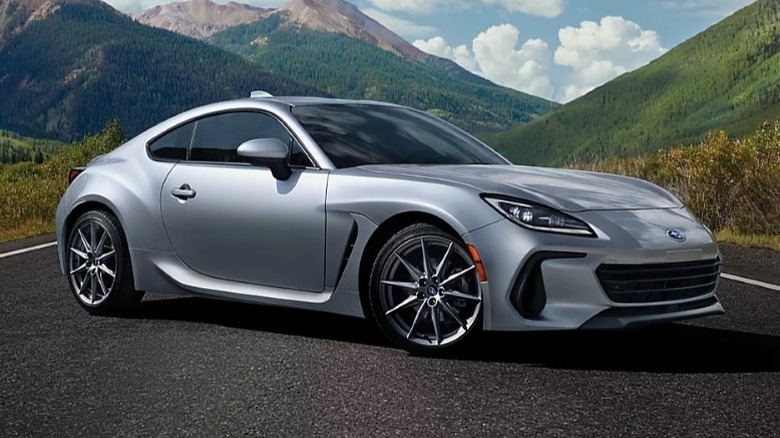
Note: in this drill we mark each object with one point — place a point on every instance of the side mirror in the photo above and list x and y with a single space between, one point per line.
268 152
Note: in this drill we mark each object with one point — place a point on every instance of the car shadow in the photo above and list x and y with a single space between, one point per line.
260 318
672 348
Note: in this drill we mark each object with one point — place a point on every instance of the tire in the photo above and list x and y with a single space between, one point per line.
98 262
405 295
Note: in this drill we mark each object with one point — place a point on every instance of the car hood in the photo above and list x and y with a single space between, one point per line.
566 190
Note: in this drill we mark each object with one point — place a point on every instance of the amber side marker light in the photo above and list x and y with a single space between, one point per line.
73 173
477 263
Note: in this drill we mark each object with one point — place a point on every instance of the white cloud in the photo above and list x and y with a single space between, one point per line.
461 54
541 8
400 26
711 8
132 6
412 6
495 56
526 69
599 52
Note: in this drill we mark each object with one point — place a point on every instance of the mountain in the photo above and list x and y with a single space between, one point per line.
200 18
727 77
333 46
341 17
15 15
67 72
203 18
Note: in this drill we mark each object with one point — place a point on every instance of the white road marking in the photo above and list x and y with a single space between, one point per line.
26 250
751 282
737 278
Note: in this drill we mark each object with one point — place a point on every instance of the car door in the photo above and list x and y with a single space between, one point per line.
235 221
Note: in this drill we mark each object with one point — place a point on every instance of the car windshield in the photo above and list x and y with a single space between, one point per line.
359 134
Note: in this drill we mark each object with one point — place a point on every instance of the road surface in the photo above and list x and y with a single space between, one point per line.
192 367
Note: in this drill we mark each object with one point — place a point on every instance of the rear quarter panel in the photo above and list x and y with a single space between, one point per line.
127 182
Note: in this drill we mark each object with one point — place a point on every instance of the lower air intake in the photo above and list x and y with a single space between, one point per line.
659 282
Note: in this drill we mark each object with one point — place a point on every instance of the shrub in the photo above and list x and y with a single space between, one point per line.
29 192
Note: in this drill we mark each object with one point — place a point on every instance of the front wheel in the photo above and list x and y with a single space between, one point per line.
99 271
425 294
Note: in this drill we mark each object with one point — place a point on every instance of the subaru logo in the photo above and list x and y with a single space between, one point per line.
432 290
676 235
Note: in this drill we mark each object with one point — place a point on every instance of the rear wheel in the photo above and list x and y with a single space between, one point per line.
99 271
425 295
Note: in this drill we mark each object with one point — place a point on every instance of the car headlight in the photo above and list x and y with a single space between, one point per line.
537 217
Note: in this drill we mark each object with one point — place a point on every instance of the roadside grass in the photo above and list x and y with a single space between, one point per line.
750 240
29 192
32 228
731 185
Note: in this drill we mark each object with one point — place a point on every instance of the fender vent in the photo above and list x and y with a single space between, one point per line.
353 233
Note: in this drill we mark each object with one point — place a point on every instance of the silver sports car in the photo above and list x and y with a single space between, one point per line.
376 211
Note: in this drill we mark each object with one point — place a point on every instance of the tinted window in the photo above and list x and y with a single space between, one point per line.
298 157
217 138
358 134
173 145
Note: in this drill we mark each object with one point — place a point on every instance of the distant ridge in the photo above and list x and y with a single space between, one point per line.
354 68
15 15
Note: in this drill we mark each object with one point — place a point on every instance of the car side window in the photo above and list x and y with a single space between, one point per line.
173 145
217 138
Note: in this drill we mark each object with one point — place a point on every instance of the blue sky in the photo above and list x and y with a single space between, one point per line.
557 49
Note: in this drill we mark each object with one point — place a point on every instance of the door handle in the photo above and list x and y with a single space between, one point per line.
184 192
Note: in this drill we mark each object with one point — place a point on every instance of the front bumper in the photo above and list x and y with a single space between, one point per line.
617 318
574 296
60 217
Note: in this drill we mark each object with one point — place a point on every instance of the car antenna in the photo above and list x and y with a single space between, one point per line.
260 94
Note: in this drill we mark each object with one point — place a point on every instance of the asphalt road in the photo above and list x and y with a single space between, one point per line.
192 367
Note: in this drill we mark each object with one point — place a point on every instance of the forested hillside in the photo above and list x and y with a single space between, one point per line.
727 77
350 68
66 75
15 148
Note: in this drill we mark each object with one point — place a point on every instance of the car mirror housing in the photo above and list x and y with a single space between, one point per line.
267 152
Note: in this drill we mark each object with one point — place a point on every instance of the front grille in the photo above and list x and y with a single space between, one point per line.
659 282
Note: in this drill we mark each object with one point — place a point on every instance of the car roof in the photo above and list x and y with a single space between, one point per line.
268 101
314 101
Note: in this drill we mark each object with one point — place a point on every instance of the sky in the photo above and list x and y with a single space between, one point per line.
556 49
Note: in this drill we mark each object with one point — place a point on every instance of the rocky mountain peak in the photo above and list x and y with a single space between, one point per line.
200 18
204 18
339 16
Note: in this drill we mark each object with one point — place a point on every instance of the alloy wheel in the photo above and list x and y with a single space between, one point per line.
429 291
92 262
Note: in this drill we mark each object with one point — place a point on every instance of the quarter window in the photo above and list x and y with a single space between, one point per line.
173 145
